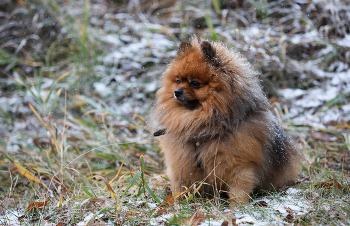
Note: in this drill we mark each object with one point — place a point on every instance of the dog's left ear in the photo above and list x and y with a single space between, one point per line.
159 132
183 46
209 53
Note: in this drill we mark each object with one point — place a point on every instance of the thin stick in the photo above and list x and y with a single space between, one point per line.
180 181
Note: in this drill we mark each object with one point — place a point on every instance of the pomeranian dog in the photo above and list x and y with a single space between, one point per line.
217 127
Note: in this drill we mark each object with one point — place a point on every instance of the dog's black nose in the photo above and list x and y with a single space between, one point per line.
178 93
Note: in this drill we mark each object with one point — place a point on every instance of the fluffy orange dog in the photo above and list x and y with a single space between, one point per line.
217 125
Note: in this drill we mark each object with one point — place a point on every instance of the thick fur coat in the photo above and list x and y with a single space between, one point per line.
217 126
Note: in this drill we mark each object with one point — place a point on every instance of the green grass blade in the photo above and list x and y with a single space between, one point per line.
144 182
87 192
216 4
132 182
210 26
56 99
7 58
92 194
152 193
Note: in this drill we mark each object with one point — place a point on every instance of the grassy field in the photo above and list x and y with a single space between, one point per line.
77 84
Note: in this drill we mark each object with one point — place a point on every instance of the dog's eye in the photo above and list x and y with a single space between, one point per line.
195 84
178 81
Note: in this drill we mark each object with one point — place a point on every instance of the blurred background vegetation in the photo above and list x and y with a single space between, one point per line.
78 80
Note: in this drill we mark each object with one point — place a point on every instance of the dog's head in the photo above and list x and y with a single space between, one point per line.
207 84
201 77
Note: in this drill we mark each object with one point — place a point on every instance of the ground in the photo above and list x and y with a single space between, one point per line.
77 85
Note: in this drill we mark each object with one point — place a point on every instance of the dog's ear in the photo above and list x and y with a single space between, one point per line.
183 46
209 53
159 132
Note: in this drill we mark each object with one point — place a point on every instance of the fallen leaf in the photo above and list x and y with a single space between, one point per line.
328 184
35 205
323 136
274 99
234 221
227 223
324 185
60 224
289 217
169 200
162 221
261 204
22 217
195 218
224 223
161 211
39 141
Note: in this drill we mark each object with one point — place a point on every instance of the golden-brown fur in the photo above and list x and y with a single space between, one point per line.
218 126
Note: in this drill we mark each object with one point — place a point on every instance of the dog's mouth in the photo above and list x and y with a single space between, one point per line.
190 104
179 95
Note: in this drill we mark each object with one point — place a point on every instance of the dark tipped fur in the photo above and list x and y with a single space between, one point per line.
229 133
183 46
209 53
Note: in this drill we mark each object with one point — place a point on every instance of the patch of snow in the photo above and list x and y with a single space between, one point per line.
11 218
49 224
291 93
112 57
305 38
158 220
88 218
112 39
329 49
341 77
212 222
323 94
278 208
308 110
346 108
153 205
307 103
292 191
102 89
345 42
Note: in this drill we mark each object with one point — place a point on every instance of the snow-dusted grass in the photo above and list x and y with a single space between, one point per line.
74 105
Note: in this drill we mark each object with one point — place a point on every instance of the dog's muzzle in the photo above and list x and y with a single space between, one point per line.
179 94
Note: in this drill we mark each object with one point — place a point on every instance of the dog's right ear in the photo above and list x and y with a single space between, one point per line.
210 53
183 46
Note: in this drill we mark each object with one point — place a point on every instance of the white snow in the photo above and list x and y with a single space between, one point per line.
345 42
291 93
278 208
308 110
158 220
112 39
102 89
88 218
11 218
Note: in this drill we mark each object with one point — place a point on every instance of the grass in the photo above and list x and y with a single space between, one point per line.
70 153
